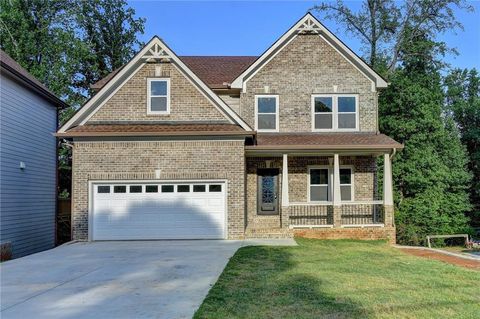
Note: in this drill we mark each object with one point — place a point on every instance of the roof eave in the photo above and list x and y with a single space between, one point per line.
40 90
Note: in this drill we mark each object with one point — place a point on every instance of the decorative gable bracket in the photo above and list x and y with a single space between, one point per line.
155 53
309 26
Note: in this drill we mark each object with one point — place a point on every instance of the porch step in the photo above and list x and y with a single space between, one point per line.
252 233
265 222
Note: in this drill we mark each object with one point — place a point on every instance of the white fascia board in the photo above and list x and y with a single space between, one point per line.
155 40
239 82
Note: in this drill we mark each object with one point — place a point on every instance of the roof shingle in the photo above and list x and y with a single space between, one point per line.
324 141
215 71
153 130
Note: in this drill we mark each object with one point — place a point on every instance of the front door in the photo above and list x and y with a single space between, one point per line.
267 197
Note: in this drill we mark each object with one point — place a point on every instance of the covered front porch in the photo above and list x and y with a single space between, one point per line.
322 193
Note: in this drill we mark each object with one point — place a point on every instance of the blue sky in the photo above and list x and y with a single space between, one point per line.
250 27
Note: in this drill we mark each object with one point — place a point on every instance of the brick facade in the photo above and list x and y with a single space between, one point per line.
308 65
177 160
187 103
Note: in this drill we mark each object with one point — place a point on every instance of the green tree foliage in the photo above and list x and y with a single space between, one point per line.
109 30
430 175
40 36
386 27
463 105
68 45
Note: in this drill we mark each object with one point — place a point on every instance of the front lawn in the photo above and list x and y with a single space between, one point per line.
340 279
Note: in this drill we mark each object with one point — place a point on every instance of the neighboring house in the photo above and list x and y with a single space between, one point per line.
28 161
232 147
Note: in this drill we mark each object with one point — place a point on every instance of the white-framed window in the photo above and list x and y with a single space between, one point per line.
335 112
320 184
346 184
266 113
158 96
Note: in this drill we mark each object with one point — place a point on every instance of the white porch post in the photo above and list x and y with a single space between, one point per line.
387 181
285 199
336 180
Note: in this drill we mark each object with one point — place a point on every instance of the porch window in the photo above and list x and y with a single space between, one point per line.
266 109
334 112
319 185
346 187
158 99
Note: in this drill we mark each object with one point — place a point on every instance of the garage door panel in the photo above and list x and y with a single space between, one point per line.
158 215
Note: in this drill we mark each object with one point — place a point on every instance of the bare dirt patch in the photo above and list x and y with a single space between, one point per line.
472 264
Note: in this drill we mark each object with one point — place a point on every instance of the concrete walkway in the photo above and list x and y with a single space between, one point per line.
136 279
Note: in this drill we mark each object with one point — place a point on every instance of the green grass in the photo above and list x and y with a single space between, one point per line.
340 279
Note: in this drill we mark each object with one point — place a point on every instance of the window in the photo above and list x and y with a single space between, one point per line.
323 116
199 188
346 188
167 188
135 188
103 189
319 185
158 98
215 188
183 188
119 189
334 112
151 188
266 108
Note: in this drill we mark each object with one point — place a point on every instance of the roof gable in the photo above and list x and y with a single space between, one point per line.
309 24
156 50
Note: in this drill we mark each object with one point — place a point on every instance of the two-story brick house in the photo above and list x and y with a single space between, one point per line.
231 147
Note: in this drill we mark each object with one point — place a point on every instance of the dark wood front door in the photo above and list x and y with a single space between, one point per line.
267 196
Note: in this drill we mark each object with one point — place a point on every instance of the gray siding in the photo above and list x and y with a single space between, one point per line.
27 197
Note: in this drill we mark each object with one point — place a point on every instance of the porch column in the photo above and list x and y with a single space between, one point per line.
387 181
285 199
387 191
285 216
337 208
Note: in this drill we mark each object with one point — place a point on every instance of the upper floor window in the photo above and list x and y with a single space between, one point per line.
334 112
158 99
266 110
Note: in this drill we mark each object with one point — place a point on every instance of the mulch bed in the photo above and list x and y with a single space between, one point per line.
472 264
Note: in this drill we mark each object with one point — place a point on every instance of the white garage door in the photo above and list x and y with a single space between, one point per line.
187 210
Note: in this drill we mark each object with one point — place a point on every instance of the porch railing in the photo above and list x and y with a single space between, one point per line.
310 215
355 214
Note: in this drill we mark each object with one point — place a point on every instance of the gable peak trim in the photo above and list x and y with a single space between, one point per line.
154 50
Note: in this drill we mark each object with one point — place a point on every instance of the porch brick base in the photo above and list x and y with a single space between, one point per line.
365 233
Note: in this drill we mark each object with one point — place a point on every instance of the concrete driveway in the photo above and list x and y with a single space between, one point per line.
139 279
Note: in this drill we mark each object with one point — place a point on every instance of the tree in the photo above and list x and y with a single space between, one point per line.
463 105
430 175
68 45
386 27
110 30
40 36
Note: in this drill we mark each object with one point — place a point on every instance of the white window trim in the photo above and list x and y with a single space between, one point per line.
149 96
352 183
330 183
335 113
277 115
329 186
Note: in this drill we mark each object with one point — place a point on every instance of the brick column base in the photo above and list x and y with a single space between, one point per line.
388 216
284 217
337 216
